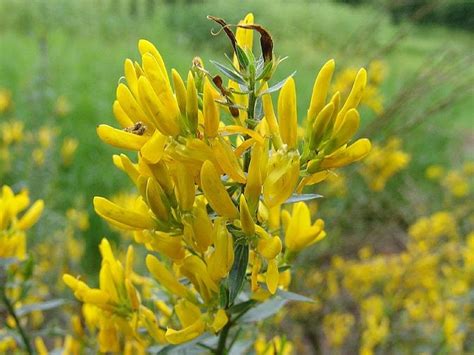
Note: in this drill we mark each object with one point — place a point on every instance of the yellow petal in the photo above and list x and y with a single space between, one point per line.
96 296
287 114
185 334
165 120
192 102
121 116
227 160
185 187
271 120
243 36
170 246
320 90
131 107
312 179
356 151
165 277
215 192
120 139
152 151
220 320
320 125
347 128
131 76
246 220
31 216
272 276
155 196
210 111
221 260
354 97
269 248
233 129
144 47
180 91
110 210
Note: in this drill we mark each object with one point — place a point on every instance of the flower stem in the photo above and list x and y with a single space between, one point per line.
221 349
11 310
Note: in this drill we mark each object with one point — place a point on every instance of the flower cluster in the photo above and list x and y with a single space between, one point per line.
215 168
384 162
423 302
372 97
14 222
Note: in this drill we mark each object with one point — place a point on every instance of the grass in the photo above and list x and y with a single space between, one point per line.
87 42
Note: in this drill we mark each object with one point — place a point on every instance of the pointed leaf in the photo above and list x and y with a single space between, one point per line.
237 273
277 86
230 73
42 306
302 197
264 310
291 296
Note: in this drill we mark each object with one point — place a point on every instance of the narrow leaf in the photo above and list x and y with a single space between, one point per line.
264 310
230 73
237 273
42 306
277 86
302 197
291 296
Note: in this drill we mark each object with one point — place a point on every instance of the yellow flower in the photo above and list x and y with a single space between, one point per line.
191 321
5 100
12 226
62 107
299 231
68 149
383 162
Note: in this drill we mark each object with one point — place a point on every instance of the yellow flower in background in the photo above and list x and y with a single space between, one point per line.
68 150
62 106
456 183
11 132
14 221
384 162
79 218
372 97
434 172
5 100
277 345
337 327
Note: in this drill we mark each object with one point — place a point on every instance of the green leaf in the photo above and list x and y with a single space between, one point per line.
265 71
238 271
277 86
264 310
42 306
258 111
242 307
242 57
223 295
302 197
230 73
190 347
291 296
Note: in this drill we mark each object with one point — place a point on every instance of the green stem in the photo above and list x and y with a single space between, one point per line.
221 349
250 116
11 310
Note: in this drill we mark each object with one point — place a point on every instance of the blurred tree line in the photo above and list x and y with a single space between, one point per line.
451 13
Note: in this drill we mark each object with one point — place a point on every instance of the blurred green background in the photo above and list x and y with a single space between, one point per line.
76 49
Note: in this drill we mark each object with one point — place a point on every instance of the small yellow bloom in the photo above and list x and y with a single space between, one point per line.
300 232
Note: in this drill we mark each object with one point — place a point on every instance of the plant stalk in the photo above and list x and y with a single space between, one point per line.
11 311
